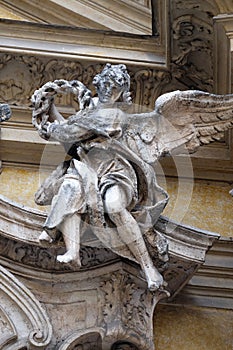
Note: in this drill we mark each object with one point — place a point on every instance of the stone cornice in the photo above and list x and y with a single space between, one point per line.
83 44
116 15
212 284
20 228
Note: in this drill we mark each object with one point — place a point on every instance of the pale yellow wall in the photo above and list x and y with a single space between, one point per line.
190 328
20 185
203 204
206 205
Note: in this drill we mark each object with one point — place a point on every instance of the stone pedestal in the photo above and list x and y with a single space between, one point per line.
105 305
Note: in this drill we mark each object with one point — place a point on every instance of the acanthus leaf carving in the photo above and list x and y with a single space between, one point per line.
45 259
147 85
128 309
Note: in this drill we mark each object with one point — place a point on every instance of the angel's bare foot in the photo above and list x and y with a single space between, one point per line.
69 257
45 238
154 285
155 280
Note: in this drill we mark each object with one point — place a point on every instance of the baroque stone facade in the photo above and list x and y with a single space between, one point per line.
52 303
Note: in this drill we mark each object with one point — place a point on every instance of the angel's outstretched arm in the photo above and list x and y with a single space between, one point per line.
66 132
42 100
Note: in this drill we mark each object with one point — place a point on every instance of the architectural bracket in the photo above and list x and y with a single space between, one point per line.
106 301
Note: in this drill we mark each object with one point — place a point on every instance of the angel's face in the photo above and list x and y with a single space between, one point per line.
109 91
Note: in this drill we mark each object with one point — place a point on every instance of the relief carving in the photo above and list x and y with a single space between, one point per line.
110 185
18 77
21 75
192 44
45 258
127 309
147 85
23 321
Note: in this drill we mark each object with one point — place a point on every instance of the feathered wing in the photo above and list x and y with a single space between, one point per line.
181 118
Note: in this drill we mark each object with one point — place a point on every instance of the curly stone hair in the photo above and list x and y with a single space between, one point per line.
116 75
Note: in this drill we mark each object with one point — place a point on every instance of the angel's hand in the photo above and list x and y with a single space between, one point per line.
5 112
45 130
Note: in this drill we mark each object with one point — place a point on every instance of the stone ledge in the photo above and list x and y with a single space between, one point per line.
212 284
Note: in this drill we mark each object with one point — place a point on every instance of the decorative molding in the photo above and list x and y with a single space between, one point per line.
192 44
212 284
129 308
86 44
195 40
22 319
20 228
116 15
107 298
193 28
21 75
223 29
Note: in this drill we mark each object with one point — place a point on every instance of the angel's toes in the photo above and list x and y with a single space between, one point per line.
45 238
69 258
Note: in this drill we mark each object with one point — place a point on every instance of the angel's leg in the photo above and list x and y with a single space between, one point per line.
129 232
64 217
70 229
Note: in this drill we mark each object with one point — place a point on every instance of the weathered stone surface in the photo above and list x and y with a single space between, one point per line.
106 300
23 322
110 175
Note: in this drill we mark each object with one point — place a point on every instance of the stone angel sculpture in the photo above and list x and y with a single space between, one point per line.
109 183
5 112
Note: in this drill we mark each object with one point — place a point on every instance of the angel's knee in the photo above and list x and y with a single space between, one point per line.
115 200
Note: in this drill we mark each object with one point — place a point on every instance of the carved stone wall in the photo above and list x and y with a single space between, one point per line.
192 44
21 75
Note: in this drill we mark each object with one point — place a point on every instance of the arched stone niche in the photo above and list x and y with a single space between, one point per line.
93 340
88 341
124 346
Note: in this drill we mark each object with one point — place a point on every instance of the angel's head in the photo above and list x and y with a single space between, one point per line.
113 84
